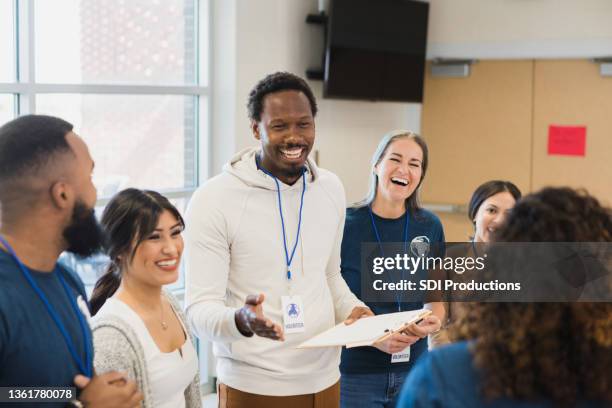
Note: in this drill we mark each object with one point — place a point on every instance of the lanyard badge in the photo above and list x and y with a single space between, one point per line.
404 355
293 308
382 253
293 314
85 367
401 356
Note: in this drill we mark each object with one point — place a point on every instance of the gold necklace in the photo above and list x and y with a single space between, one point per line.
164 325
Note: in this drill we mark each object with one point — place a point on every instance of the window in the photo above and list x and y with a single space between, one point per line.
7 108
116 41
7 60
132 77
7 42
144 141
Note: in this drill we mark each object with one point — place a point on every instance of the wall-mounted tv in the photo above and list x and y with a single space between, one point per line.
376 50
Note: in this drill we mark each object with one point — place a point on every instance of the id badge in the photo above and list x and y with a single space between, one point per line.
293 314
401 356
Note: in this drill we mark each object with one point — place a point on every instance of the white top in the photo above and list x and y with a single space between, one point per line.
234 248
169 373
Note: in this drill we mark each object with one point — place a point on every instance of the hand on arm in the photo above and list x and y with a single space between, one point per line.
110 390
251 320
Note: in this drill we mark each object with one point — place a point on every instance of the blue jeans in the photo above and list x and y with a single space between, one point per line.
370 390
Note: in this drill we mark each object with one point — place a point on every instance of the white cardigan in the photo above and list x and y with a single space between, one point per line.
117 347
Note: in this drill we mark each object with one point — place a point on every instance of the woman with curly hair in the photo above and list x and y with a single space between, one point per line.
528 354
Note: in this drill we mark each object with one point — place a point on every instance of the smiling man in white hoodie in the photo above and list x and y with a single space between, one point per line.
263 259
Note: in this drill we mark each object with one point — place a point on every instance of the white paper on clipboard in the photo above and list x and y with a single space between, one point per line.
365 331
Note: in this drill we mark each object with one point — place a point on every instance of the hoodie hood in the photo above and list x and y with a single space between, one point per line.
244 167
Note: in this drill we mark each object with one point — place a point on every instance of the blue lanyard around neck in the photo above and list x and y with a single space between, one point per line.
288 259
382 252
85 367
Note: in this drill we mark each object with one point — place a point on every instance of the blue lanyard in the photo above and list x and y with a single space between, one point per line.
288 259
86 368
399 296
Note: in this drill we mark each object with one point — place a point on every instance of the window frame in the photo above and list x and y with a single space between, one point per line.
25 88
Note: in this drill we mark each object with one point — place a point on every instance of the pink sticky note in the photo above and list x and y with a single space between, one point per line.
567 140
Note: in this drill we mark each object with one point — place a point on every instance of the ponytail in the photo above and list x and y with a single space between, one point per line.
105 287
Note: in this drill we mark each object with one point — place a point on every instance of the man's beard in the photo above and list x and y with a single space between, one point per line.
84 234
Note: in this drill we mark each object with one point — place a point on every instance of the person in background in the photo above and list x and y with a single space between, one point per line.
263 245
489 206
488 209
528 354
47 204
138 327
373 376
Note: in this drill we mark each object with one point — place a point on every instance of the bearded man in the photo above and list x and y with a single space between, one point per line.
47 204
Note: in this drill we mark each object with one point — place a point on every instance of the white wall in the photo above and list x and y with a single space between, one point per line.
222 82
520 28
271 35
255 37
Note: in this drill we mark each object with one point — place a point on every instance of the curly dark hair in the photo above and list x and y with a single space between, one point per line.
279 81
558 351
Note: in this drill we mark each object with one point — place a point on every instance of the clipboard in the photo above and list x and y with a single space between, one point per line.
365 331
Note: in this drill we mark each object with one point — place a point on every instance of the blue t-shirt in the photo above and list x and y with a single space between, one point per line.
446 377
32 349
357 230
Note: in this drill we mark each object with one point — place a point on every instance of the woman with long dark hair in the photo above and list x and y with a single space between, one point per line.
489 206
138 327
488 209
528 354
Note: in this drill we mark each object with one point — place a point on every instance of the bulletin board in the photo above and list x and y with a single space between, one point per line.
573 93
494 124
477 128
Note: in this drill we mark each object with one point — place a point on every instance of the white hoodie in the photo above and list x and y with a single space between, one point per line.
235 248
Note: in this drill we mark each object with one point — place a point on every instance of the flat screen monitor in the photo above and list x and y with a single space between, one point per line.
376 50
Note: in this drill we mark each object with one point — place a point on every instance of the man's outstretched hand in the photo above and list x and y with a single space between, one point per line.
251 320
